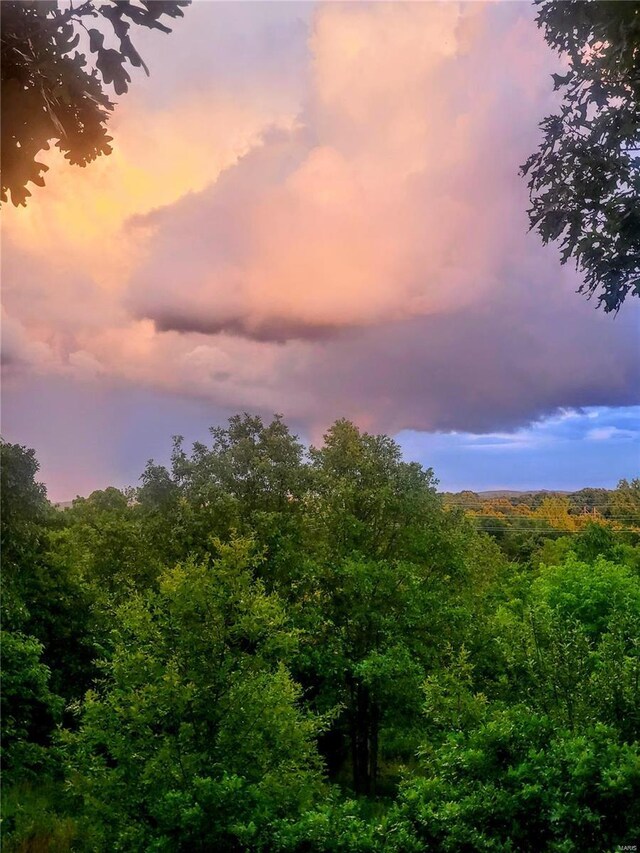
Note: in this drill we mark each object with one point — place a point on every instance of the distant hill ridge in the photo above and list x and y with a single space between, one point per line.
507 493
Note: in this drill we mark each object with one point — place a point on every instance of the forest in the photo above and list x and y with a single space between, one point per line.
268 647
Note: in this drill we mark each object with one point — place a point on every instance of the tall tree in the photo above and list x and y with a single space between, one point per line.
584 179
53 91
251 480
375 603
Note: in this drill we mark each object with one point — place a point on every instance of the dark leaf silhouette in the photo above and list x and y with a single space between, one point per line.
584 179
54 80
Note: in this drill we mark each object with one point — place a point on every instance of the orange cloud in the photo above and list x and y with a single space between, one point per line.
79 220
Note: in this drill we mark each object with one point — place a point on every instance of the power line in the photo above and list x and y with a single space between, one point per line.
585 515
472 502
556 532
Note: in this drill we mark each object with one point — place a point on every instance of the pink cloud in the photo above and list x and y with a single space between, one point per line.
349 242
398 196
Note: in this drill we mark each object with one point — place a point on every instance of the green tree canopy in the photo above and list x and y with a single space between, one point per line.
251 479
216 660
518 783
194 739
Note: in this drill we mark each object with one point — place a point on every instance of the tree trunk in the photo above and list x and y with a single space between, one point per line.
353 732
364 741
373 748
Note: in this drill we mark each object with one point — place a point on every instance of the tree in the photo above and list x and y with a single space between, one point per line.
516 782
43 597
384 560
571 649
556 511
584 179
23 515
625 503
53 91
195 739
251 480
105 538
29 709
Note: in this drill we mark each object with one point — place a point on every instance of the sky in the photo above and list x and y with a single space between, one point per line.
315 209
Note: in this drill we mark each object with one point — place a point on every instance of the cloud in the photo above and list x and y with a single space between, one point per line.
21 354
19 351
348 240
550 454
391 200
611 432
